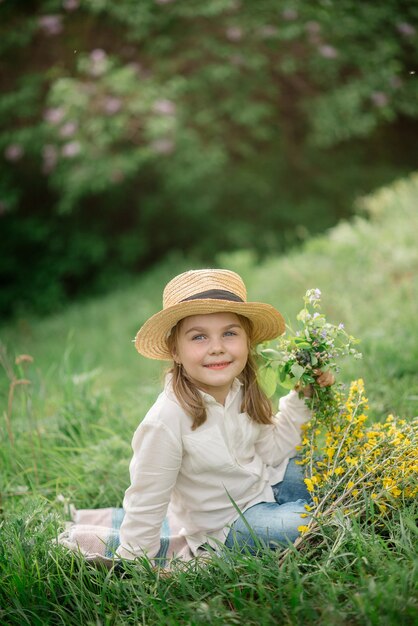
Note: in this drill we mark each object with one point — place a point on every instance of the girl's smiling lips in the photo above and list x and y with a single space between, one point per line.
218 366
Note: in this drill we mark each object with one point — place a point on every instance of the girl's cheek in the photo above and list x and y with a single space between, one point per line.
196 349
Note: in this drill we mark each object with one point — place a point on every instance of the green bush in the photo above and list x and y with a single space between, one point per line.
134 128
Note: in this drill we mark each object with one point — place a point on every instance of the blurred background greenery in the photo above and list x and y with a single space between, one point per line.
138 128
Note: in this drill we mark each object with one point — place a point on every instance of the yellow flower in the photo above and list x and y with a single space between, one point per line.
309 484
303 529
397 441
330 453
339 470
304 515
388 482
351 460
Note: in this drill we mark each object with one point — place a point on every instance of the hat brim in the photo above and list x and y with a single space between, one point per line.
151 339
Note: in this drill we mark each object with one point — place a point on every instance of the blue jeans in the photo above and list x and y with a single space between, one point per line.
273 524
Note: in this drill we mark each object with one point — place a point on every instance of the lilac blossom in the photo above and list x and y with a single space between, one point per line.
327 51
112 105
68 129
237 59
71 5
234 33
98 55
290 14
50 158
312 27
379 99
51 24
407 30
71 149
14 152
164 107
162 146
98 58
54 115
135 67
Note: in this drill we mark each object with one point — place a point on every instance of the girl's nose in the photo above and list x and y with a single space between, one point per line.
216 347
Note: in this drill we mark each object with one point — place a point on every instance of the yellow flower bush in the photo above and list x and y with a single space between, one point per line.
349 464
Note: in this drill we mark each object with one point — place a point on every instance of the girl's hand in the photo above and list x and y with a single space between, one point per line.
324 379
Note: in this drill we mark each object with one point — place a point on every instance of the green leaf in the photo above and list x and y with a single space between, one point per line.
297 370
287 383
301 343
271 353
268 380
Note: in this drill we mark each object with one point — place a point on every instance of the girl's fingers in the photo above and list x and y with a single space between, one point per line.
325 379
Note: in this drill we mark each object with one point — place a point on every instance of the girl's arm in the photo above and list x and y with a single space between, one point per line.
279 441
153 471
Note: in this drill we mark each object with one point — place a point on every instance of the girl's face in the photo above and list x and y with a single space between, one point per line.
213 350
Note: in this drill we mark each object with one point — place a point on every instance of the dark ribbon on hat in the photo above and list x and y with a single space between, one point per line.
214 294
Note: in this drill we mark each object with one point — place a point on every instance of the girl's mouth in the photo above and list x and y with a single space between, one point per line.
218 366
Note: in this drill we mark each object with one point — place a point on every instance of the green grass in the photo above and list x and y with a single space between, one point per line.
71 429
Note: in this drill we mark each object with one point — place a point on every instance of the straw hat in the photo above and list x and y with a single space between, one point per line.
200 292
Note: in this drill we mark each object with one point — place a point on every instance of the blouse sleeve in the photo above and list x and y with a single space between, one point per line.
153 472
278 441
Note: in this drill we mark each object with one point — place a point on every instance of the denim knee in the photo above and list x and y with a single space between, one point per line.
267 524
292 487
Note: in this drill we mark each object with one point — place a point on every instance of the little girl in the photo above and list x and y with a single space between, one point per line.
210 444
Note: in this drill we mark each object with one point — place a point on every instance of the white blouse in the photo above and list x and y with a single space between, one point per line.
197 472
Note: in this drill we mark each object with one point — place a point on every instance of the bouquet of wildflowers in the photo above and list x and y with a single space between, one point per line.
315 345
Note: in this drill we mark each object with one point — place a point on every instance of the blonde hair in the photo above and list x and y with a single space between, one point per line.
255 402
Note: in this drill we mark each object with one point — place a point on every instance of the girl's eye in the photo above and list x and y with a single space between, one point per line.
198 337
230 333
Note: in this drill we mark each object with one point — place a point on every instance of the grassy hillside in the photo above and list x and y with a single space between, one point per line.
68 431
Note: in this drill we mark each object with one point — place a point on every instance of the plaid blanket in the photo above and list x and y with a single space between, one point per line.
95 534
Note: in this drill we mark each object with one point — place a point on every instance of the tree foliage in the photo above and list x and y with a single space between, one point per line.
131 128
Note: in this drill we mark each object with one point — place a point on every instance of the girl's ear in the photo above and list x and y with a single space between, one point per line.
174 355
